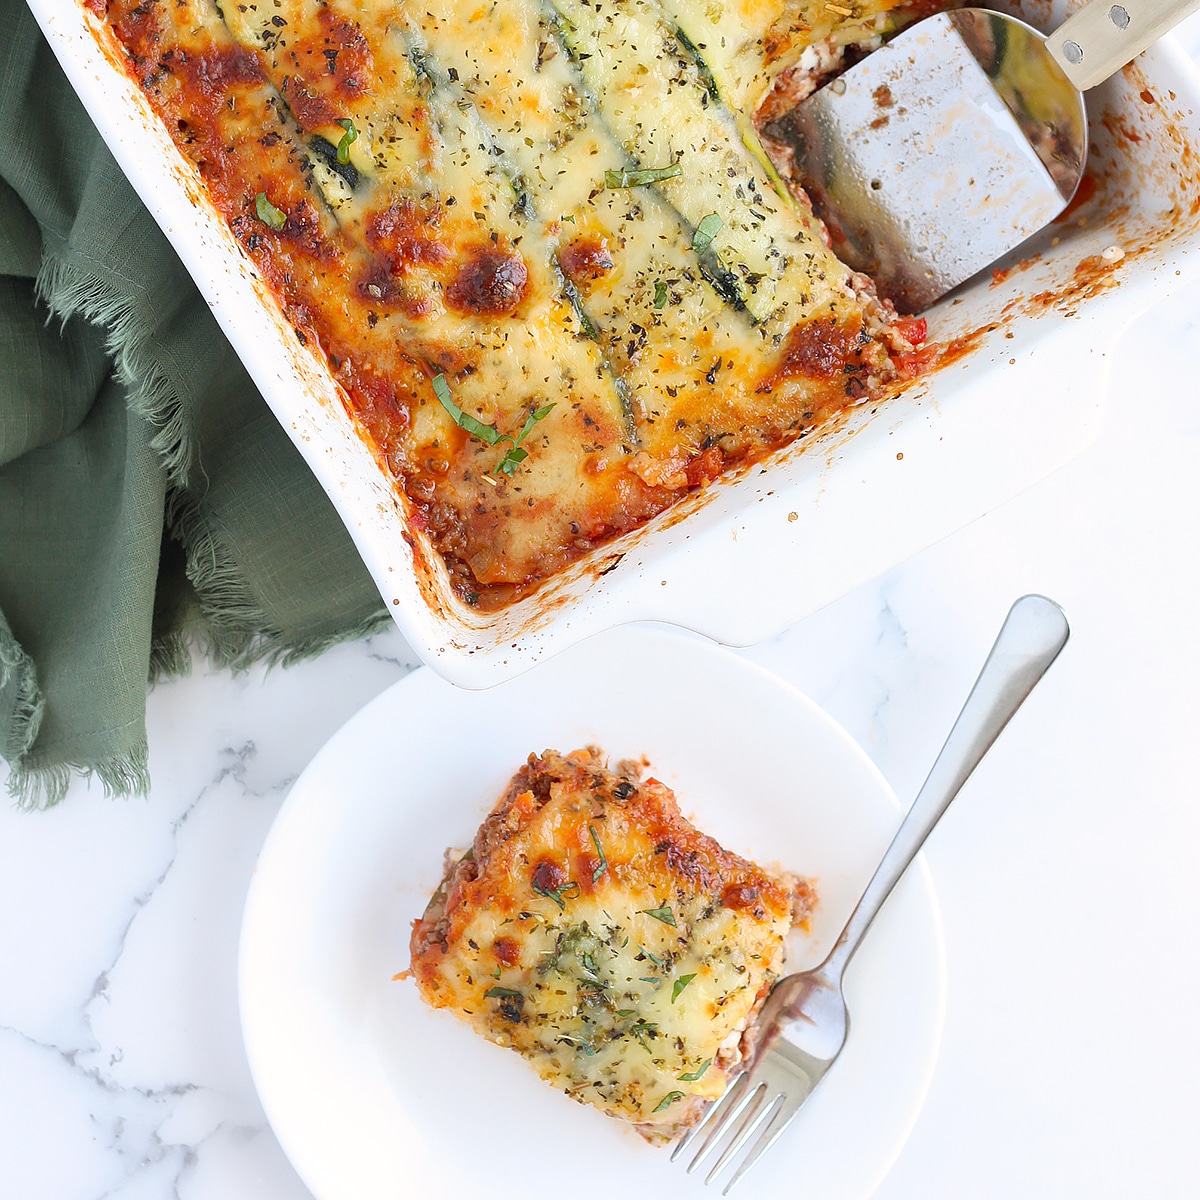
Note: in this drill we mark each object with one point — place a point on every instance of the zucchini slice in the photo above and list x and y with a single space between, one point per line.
747 44
420 149
650 92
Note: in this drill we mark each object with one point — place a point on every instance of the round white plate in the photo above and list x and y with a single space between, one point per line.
373 1095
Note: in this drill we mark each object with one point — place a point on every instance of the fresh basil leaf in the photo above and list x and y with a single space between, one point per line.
500 991
692 1076
668 1100
708 229
587 325
640 176
267 213
560 895
514 456
664 914
348 140
600 853
640 1029
538 414
476 428
680 984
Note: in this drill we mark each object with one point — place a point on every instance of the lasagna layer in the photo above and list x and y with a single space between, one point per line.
595 931
539 244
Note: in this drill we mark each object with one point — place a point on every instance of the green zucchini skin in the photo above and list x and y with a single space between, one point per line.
713 80
633 64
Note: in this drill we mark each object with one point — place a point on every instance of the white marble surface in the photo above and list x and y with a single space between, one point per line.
1067 872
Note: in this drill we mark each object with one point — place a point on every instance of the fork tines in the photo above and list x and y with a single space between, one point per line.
745 1109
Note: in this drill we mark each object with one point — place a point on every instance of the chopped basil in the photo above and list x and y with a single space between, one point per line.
500 991
692 1076
643 175
680 984
664 914
534 417
640 1029
560 895
348 140
514 455
626 1012
600 851
660 293
668 1100
705 232
476 428
587 325
267 213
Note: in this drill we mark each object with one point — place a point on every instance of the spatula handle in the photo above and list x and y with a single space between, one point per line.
1106 34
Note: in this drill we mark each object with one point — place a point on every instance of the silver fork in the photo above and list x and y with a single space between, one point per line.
802 1027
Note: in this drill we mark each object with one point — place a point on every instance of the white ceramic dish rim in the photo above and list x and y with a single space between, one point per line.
349 861
754 554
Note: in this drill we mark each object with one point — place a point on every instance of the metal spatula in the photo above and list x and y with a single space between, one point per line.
964 135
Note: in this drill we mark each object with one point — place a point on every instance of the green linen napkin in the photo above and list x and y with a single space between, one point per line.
148 497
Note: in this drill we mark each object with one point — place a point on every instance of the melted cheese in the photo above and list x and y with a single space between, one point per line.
443 171
595 931
748 43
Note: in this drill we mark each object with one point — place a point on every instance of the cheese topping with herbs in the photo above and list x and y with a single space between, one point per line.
595 931
539 244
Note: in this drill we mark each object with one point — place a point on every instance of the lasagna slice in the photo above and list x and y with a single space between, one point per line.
598 933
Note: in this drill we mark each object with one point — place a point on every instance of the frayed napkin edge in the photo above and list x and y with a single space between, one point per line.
35 785
68 289
236 634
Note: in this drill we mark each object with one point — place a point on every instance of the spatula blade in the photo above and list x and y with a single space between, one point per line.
922 171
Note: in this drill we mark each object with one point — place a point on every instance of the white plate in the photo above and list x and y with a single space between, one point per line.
374 1095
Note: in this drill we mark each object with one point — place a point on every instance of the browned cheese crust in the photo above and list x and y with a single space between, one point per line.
594 930
428 189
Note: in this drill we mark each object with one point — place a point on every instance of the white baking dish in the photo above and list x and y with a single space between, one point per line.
771 544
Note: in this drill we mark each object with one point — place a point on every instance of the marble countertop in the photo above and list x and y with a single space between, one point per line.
1066 873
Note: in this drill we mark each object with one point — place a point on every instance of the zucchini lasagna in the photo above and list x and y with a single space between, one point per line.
594 930
539 243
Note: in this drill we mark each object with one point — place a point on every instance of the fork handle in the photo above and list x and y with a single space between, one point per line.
1033 633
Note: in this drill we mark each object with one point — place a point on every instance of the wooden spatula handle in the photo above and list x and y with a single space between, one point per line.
1106 34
